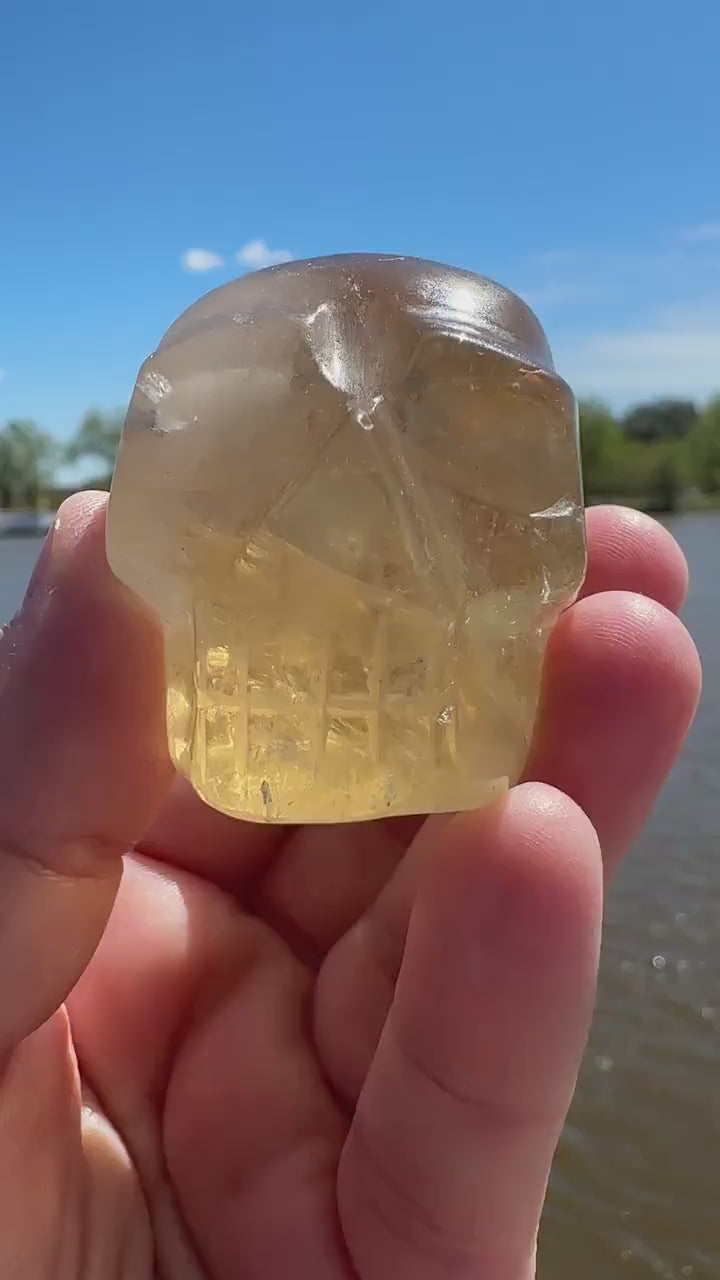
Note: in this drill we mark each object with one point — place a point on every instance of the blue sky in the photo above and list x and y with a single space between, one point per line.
569 150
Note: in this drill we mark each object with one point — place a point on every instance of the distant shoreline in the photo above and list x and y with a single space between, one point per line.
25 524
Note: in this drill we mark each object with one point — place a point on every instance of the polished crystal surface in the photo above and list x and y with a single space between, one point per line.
350 488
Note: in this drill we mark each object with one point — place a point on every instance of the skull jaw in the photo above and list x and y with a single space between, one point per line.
297 802
297 695
314 767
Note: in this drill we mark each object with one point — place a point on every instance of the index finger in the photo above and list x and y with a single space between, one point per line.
446 1164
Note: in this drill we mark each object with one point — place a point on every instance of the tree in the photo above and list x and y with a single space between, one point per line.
668 475
28 457
660 420
600 442
98 436
704 447
647 472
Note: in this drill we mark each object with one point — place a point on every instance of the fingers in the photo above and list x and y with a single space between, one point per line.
445 1168
82 763
622 681
629 551
326 876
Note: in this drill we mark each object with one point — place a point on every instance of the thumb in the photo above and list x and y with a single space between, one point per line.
83 763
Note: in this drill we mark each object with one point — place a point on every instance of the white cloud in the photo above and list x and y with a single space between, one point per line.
557 295
629 323
670 352
620 278
702 233
257 254
200 260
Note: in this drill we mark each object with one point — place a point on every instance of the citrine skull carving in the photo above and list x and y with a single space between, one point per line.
350 489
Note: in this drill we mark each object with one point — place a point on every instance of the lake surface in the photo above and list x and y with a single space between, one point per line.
636 1188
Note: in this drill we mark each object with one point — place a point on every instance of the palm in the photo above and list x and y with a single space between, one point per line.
329 1053
212 1039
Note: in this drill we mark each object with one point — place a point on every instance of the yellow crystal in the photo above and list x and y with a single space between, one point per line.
350 488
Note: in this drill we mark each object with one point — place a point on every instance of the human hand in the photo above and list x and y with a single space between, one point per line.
345 1053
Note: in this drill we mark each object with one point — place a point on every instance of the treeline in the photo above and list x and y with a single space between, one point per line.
30 459
659 456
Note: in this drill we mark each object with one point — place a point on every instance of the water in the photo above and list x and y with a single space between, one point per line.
17 557
636 1188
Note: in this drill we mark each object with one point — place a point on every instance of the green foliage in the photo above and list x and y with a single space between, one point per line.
98 436
660 420
704 442
653 456
658 456
602 443
28 457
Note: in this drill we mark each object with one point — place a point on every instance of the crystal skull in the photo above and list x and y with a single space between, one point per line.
350 488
